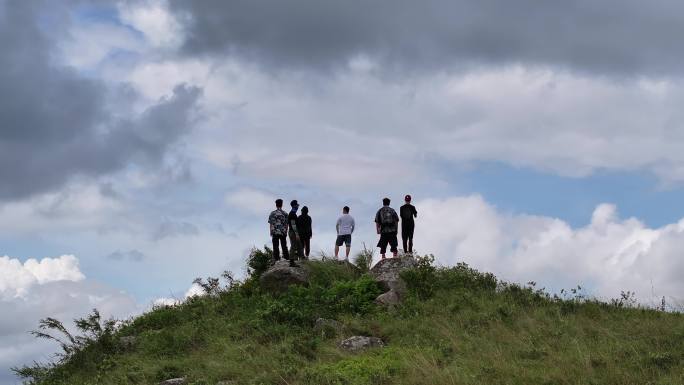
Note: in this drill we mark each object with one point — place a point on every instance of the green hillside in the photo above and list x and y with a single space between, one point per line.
456 326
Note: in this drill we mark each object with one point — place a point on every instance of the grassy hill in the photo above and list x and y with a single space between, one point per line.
457 326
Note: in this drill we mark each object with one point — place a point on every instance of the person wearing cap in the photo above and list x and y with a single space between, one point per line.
345 227
304 229
295 243
277 223
407 212
386 223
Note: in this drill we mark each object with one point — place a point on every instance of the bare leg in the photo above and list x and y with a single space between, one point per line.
348 250
337 251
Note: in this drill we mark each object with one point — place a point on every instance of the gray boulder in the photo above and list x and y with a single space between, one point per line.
328 327
387 271
174 381
357 343
128 342
390 299
281 276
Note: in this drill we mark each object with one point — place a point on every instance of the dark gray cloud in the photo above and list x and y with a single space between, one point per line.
614 36
169 229
131 255
55 124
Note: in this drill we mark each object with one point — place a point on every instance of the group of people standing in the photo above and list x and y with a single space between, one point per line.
298 228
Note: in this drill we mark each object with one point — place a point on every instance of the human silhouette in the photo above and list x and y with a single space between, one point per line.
295 244
407 212
305 233
386 223
277 223
345 227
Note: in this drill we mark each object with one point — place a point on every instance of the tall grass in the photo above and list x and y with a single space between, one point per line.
457 326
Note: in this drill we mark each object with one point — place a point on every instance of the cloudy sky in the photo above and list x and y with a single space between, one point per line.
142 143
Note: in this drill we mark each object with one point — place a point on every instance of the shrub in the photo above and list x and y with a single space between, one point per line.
425 279
303 305
377 367
259 261
95 342
364 259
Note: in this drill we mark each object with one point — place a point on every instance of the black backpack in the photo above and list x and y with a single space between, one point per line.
386 216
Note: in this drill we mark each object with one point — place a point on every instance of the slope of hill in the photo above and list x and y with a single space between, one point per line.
455 326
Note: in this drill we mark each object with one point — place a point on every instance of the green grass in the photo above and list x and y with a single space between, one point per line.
458 326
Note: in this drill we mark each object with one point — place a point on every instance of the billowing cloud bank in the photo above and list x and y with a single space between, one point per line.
607 256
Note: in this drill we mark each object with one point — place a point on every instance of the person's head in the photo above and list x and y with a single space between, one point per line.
279 203
294 204
345 209
385 201
407 198
305 210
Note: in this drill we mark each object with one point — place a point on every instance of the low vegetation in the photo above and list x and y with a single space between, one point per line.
457 326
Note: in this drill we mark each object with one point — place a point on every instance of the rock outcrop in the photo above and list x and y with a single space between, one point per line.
328 327
174 381
387 274
389 299
357 343
128 342
281 276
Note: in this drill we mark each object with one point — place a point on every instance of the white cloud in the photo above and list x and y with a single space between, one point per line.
309 128
90 43
607 255
193 290
250 200
17 278
153 19
52 287
77 206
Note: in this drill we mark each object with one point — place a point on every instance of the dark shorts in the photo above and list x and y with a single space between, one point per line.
388 238
346 239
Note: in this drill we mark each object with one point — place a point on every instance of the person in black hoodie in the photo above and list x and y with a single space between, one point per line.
407 212
305 233
295 244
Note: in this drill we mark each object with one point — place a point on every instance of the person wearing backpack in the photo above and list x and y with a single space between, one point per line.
407 213
386 224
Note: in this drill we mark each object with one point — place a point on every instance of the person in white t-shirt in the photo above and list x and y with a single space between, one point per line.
345 228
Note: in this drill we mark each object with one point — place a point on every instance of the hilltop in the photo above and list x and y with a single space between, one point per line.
454 325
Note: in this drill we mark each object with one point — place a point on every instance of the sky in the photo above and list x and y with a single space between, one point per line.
143 142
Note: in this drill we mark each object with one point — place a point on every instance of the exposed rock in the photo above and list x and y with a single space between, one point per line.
328 326
174 381
281 276
386 272
356 343
128 342
389 299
